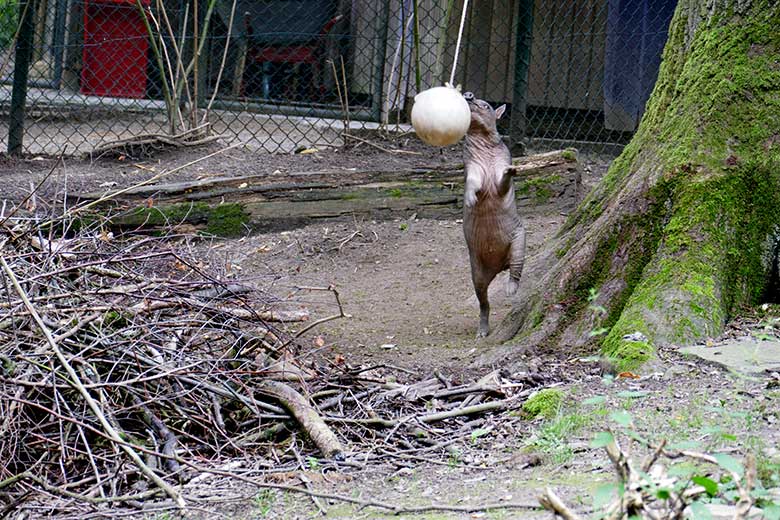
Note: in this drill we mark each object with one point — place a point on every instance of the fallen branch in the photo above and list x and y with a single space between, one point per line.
428 418
61 491
307 417
552 502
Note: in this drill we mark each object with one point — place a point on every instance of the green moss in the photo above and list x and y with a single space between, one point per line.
224 220
628 355
166 215
114 319
396 193
570 154
711 261
7 365
227 220
544 403
539 188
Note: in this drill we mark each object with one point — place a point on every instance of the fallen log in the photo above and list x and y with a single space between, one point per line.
319 432
230 205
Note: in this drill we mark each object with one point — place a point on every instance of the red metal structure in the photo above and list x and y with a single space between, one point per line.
115 49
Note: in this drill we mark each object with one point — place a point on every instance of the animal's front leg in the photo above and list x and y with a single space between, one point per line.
506 180
473 186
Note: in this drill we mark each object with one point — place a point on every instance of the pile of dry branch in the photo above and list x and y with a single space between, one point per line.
129 366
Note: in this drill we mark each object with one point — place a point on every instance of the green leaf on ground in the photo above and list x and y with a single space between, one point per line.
601 439
621 417
709 485
729 463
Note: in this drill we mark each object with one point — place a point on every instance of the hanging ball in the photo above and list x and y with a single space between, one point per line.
440 115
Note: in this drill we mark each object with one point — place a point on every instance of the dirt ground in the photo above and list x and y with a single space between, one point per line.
406 285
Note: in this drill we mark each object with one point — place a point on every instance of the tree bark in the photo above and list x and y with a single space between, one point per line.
681 231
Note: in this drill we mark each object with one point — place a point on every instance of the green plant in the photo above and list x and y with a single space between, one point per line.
8 23
264 501
552 440
476 434
680 475
599 313
454 459
544 403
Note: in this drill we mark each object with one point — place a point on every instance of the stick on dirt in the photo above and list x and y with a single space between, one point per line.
307 417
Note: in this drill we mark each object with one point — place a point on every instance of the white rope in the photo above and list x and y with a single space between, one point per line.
457 45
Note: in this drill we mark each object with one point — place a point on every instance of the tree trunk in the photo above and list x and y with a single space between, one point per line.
681 231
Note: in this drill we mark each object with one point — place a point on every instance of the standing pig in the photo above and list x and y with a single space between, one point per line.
493 230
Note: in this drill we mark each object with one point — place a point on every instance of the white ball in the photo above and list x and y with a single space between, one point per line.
440 116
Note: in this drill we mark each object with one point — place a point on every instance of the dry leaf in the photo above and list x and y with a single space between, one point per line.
319 341
628 375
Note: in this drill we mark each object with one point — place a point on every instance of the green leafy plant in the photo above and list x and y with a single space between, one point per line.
313 462
673 477
553 437
264 501
599 312
476 434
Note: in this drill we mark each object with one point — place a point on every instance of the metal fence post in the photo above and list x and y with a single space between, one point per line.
22 57
523 37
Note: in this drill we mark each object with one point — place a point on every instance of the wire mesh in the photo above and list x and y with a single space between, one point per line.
282 74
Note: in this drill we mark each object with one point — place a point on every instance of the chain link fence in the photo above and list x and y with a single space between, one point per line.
281 74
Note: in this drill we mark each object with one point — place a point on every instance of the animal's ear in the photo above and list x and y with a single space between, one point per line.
500 111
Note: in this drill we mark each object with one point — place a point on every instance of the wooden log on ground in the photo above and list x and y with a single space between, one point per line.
545 182
311 422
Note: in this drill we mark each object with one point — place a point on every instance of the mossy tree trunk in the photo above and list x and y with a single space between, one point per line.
680 232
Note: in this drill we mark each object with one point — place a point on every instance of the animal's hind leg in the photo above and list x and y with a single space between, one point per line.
516 260
481 283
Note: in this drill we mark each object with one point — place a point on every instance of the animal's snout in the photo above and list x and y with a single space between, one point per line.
468 96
